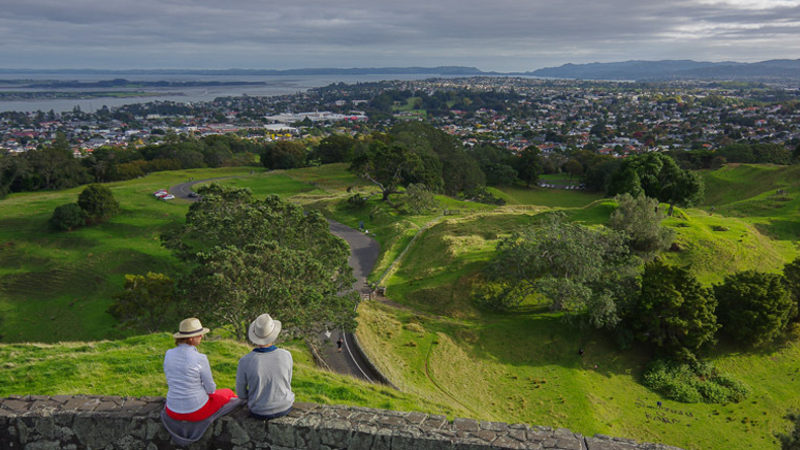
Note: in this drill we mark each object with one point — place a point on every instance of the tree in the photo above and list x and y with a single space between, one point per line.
392 166
68 217
335 148
529 165
283 155
754 307
419 199
640 219
148 302
98 202
791 275
578 269
574 168
656 175
246 257
791 440
673 311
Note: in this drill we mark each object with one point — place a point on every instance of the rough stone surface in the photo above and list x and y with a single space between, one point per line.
83 421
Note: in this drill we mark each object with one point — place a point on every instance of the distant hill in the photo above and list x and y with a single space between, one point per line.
778 69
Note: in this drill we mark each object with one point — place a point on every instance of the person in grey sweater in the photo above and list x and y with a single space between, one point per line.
264 376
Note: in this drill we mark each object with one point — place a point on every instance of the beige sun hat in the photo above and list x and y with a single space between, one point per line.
264 330
190 327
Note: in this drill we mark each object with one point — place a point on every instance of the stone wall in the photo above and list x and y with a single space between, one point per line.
77 422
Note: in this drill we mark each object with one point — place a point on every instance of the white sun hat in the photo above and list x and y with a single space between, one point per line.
264 330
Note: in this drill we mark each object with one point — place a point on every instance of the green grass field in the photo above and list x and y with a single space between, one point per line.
57 286
438 346
524 367
133 367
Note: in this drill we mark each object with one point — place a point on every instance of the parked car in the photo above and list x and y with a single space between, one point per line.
160 193
193 194
167 197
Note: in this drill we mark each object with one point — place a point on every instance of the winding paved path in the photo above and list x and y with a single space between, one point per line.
363 255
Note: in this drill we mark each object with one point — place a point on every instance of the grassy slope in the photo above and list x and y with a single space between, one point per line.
525 367
58 285
510 367
133 367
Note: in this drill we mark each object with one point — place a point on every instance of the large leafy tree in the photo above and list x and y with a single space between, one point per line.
578 269
640 219
283 155
791 275
529 165
673 311
458 169
390 166
658 176
248 256
754 307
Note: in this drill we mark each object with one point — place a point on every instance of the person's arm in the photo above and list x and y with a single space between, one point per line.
206 379
241 381
291 366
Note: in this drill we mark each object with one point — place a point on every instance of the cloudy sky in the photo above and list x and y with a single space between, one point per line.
503 35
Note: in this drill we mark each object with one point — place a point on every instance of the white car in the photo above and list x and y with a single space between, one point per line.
167 197
160 193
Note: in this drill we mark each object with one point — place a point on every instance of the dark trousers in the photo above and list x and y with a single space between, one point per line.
270 416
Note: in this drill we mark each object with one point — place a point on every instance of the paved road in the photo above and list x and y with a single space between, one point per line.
364 252
363 256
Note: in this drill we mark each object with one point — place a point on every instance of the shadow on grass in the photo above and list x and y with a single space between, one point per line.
780 229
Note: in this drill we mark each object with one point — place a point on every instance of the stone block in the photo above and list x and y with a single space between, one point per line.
416 418
494 426
16 407
334 433
414 439
484 435
362 437
277 432
460 424
507 442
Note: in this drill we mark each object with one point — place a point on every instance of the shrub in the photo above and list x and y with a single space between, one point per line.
98 202
68 217
693 382
754 307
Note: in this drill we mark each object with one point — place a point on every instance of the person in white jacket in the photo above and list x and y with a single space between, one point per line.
192 394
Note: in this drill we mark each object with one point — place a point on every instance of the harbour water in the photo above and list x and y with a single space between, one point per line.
273 85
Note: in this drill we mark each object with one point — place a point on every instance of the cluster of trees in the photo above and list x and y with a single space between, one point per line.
244 257
748 153
413 153
655 175
47 168
55 167
95 204
596 275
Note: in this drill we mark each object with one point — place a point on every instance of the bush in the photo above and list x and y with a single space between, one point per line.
755 307
692 383
419 199
98 202
68 217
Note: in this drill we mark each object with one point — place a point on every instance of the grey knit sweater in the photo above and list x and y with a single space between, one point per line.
264 380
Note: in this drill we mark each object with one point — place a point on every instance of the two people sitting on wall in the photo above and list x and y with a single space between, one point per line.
263 380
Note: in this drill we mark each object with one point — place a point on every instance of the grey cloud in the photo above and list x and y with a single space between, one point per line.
358 33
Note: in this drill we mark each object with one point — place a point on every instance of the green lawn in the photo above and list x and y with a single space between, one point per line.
446 355
525 368
57 285
133 367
